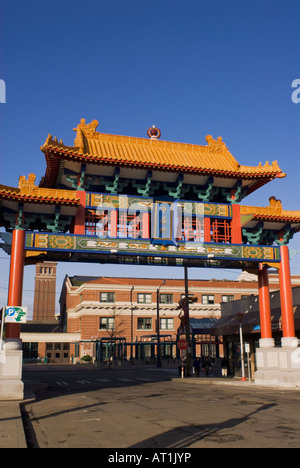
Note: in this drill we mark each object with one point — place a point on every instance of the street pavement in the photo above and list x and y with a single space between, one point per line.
80 406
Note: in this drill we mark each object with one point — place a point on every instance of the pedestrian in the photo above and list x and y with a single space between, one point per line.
196 366
224 367
206 365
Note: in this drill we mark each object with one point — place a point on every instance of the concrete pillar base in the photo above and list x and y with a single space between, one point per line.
11 390
11 385
289 342
279 367
267 343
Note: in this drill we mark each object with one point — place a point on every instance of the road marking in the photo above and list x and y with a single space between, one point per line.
85 382
94 419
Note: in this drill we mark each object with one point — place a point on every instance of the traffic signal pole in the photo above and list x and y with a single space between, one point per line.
187 324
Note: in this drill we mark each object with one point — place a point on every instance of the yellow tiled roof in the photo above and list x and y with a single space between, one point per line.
29 192
274 211
95 147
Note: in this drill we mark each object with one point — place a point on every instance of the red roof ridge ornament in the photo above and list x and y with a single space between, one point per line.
154 133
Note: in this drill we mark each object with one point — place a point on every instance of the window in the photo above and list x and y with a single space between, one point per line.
167 324
30 350
144 298
98 223
220 230
144 323
206 300
192 298
228 298
192 228
107 297
107 323
166 298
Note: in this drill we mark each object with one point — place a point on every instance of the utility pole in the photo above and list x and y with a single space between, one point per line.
240 320
158 362
187 323
131 324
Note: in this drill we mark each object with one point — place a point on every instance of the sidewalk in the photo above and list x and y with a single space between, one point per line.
216 381
11 426
12 433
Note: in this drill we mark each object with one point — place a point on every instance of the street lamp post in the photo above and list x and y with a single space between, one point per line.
158 363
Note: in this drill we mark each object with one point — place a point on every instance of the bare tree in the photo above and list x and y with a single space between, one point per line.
115 328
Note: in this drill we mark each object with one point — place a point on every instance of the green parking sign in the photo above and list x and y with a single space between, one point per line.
15 314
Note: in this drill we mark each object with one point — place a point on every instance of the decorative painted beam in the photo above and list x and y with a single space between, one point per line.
143 247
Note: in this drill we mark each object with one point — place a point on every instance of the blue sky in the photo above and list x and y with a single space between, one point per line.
192 68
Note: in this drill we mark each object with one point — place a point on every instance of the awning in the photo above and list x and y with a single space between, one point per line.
229 325
202 326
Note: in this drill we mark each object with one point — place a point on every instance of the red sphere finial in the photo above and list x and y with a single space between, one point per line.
153 133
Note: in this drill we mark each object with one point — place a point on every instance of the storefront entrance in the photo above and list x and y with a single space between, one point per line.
58 352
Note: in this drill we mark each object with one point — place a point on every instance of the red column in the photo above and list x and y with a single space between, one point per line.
15 288
264 303
236 229
146 226
207 234
79 227
113 224
286 298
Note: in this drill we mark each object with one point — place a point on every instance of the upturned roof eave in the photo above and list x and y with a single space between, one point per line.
67 153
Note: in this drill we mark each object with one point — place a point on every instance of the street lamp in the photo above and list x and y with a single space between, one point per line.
158 363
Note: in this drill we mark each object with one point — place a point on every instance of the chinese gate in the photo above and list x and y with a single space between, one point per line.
118 199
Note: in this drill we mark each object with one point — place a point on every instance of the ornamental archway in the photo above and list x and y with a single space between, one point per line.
118 199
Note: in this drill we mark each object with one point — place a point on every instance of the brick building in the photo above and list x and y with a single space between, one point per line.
118 316
123 312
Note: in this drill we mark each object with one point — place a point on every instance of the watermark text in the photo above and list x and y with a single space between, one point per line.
296 94
2 92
